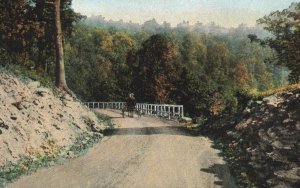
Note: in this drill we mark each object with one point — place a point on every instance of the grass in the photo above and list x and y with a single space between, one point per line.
275 90
28 165
24 73
105 120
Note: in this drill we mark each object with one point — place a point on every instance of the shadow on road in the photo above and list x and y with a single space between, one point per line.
166 130
222 174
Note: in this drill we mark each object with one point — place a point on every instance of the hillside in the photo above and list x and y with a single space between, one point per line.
262 143
34 122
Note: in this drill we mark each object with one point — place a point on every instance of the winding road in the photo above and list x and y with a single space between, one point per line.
140 153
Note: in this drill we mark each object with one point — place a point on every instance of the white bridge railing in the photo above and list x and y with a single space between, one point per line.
105 105
160 110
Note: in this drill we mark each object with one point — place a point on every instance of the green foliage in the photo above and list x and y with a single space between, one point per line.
272 91
154 73
284 25
27 32
205 73
209 74
99 57
105 120
33 74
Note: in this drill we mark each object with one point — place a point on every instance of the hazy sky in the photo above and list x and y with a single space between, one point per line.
227 13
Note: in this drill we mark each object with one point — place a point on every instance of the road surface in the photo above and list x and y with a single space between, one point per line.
141 152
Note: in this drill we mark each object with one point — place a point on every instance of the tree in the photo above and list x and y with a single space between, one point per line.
26 35
17 30
60 81
154 74
218 62
284 25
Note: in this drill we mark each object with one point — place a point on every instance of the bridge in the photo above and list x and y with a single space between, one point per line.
167 111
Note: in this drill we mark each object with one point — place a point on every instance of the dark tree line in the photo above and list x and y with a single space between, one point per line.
32 34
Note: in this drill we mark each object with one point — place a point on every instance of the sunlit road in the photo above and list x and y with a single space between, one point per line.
140 152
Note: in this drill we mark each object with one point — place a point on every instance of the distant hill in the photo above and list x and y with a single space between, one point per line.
153 26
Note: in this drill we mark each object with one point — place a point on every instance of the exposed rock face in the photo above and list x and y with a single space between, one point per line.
34 122
264 140
272 139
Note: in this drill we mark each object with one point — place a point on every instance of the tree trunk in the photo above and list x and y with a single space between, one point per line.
60 68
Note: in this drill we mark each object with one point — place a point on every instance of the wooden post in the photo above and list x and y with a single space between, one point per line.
147 109
173 111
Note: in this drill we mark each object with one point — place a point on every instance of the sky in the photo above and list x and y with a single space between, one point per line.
226 13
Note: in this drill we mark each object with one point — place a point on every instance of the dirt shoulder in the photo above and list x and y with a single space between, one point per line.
141 152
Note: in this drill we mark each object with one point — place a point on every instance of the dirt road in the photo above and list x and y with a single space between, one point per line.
141 152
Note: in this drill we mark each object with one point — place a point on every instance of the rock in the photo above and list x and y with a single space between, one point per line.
186 119
287 121
25 113
277 144
42 92
247 110
233 134
96 128
290 175
259 102
271 133
19 98
35 102
250 103
34 84
52 163
298 126
263 136
3 125
98 134
56 126
13 117
60 115
18 105
67 98
244 174
71 154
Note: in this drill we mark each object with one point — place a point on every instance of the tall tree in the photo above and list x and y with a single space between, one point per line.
60 68
284 25
154 76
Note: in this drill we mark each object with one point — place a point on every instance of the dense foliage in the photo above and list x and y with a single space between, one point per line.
209 70
208 74
27 32
284 25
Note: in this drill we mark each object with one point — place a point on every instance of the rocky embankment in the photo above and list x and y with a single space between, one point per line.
262 144
35 122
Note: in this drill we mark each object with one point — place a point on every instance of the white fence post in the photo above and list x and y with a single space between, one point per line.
158 110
